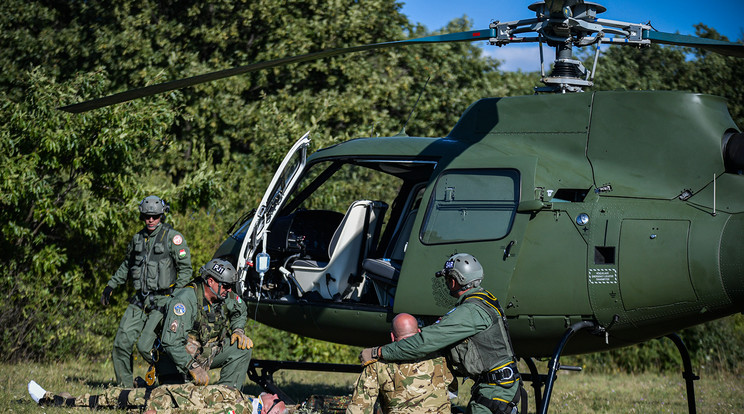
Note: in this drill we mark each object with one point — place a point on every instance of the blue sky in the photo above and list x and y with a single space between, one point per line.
726 16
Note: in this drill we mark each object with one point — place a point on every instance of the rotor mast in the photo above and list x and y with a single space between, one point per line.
562 25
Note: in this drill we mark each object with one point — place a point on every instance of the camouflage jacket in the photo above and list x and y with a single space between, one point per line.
411 387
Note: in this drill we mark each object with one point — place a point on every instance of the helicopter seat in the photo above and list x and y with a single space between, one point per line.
384 272
353 239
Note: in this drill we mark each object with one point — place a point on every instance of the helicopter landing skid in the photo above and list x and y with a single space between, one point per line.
687 374
268 367
554 365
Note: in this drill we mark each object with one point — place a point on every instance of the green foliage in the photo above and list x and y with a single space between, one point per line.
712 346
65 181
71 183
70 190
271 343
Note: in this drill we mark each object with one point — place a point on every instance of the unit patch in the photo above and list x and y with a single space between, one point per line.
182 253
237 298
179 309
174 326
177 239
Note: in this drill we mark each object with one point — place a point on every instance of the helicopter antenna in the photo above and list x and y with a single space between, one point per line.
402 132
714 194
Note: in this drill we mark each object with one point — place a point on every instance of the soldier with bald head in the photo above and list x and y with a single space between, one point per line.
418 386
475 337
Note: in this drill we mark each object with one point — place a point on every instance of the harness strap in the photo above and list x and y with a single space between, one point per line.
505 375
122 402
487 298
60 401
524 398
148 391
499 406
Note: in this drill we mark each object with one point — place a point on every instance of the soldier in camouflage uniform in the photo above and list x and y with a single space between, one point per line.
167 399
158 260
474 336
205 327
409 387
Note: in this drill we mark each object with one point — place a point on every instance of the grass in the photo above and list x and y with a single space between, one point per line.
573 392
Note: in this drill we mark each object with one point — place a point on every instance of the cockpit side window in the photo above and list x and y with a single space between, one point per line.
471 205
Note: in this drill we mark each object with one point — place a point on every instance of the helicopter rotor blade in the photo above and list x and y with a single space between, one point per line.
131 94
718 46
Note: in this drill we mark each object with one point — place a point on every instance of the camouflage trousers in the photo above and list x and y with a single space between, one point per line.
403 388
168 399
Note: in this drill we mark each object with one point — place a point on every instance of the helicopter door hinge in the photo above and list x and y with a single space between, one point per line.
531 320
540 193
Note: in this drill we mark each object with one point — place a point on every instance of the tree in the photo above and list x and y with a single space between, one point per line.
63 185
70 192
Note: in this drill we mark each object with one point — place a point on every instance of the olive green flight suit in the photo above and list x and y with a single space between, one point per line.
157 262
450 332
197 333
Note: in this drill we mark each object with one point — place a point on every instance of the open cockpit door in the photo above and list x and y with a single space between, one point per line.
276 193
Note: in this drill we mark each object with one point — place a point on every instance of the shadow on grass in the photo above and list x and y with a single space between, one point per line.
299 391
90 383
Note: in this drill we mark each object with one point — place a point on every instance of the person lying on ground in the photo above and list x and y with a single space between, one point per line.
167 399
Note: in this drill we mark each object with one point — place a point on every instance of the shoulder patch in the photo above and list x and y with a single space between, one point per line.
174 326
179 309
237 298
177 239
182 253
450 311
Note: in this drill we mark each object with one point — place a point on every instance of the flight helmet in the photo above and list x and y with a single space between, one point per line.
221 270
464 268
152 206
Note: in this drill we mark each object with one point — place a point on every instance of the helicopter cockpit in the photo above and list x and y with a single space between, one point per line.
329 241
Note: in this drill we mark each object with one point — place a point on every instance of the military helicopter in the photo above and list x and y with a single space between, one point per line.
593 231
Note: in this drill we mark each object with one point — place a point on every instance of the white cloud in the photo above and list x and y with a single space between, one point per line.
520 57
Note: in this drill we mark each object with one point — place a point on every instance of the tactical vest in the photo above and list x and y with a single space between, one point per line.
153 269
211 323
487 349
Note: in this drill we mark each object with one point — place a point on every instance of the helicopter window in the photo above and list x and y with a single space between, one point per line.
471 205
